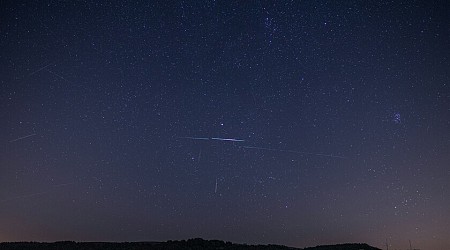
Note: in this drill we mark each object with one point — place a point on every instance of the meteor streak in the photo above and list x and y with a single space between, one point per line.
40 69
23 137
213 138
227 139
25 196
260 148
194 138
215 189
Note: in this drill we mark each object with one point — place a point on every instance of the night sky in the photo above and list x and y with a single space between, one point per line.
287 122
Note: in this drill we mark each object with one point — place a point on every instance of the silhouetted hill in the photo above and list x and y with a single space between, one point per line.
191 244
343 247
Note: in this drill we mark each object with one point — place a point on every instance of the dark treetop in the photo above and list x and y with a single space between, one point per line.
193 244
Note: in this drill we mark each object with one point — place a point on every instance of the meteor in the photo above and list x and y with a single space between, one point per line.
23 137
195 138
212 138
227 139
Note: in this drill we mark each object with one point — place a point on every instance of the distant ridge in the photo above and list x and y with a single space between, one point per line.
191 244
347 246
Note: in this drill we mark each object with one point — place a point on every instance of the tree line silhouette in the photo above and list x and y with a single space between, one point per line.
191 244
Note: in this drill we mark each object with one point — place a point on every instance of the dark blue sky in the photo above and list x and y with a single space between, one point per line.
114 117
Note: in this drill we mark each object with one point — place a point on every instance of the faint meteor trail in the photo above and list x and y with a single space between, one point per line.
294 151
260 148
227 139
64 184
51 72
37 193
194 138
24 196
212 138
215 189
23 137
199 155
40 69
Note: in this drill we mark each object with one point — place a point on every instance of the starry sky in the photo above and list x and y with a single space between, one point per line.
287 122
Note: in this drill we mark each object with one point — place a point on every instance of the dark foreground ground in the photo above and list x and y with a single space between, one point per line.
193 244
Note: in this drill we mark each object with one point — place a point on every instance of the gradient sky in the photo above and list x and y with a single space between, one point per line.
113 117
